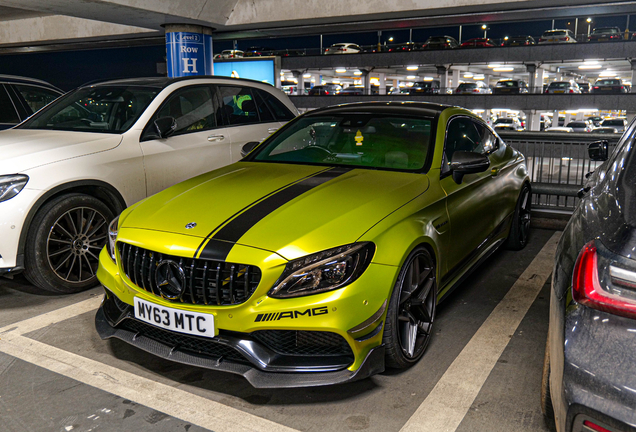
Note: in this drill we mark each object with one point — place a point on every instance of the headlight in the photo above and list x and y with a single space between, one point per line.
323 271
11 185
113 229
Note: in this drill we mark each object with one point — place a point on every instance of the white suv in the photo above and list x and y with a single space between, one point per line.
73 166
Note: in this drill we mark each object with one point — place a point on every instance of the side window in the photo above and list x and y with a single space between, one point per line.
238 105
281 112
264 112
194 109
489 142
462 135
8 113
36 97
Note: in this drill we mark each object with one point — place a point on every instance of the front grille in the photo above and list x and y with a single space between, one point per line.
300 342
183 342
207 282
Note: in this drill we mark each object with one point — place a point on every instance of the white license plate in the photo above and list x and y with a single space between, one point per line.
178 320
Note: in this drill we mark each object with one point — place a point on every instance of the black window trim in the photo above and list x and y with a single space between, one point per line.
15 109
228 125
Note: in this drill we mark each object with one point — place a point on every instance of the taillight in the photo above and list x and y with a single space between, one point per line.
326 92
571 90
596 87
595 427
475 90
587 289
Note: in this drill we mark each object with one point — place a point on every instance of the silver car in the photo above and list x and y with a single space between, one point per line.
562 87
618 123
478 87
557 36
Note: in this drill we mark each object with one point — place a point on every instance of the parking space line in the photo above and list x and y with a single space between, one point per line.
169 400
447 404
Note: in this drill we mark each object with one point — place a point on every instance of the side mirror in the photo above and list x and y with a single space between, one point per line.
598 150
248 147
468 163
165 126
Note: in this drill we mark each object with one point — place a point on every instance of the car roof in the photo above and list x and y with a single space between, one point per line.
413 108
13 79
162 82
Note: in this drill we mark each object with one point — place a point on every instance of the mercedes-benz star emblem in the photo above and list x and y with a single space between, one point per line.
170 279
191 225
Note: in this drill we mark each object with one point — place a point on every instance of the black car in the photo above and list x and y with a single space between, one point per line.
589 378
440 42
518 41
325 90
20 97
425 87
605 34
510 87
609 86
407 46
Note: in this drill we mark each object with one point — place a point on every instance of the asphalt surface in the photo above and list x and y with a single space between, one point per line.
37 398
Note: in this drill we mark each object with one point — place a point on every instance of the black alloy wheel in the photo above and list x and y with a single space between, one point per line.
409 321
64 242
520 227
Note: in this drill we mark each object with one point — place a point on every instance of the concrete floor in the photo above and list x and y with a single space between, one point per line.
34 398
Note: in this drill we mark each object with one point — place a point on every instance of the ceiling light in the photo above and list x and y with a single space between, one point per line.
357 72
412 68
494 65
468 75
479 77
411 77
307 76
341 70
590 66
503 69
590 61
428 78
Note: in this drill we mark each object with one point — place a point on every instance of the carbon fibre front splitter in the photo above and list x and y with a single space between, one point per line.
373 363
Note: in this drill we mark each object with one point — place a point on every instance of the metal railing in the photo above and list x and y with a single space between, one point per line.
558 164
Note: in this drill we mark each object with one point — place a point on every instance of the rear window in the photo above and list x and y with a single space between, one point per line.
559 84
508 84
504 121
608 82
468 86
613 122
554 33
577 124
605 31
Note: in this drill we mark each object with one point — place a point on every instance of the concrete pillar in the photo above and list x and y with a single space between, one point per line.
382 82
533 120
555 119
317 79
300 86
189 50
487 79
487 117
366 81
455 80
442 72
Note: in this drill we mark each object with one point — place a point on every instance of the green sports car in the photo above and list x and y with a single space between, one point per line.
321 256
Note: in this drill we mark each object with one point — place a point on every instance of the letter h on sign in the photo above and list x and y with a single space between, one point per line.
189 63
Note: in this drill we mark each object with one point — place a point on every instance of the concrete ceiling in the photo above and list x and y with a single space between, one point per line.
36 22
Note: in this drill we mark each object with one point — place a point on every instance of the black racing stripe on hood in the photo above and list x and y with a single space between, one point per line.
238 226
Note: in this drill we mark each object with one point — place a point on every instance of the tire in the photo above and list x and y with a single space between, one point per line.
409 320
64 241
546 399
520 226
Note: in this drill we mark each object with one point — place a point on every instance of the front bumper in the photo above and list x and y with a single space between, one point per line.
599 370
233 352
13 214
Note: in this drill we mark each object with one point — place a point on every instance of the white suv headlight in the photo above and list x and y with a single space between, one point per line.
11 185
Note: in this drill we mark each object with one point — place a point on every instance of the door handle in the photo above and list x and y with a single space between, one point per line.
271 130
213 138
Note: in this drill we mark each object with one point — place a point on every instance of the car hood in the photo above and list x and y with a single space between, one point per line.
292 210
23 149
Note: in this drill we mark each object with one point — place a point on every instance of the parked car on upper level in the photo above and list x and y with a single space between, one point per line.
584 86
610 86
619 123
407 46
477 87
562 87
353 90
478 43
518 41
589 371
228 54
557 36
596 120
580 126
605 34
259 51
71 167
559 129
343 48
509 86
20 97
325 89
425 87
440 42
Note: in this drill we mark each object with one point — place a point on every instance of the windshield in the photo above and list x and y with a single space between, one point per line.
357 140
608 82
107 109
468 85
613 123
503 120
507 84
559 84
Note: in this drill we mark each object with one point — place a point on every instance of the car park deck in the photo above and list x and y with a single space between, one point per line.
482 370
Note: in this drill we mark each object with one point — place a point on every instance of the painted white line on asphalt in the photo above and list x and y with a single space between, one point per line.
169 400
49 318
447 404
